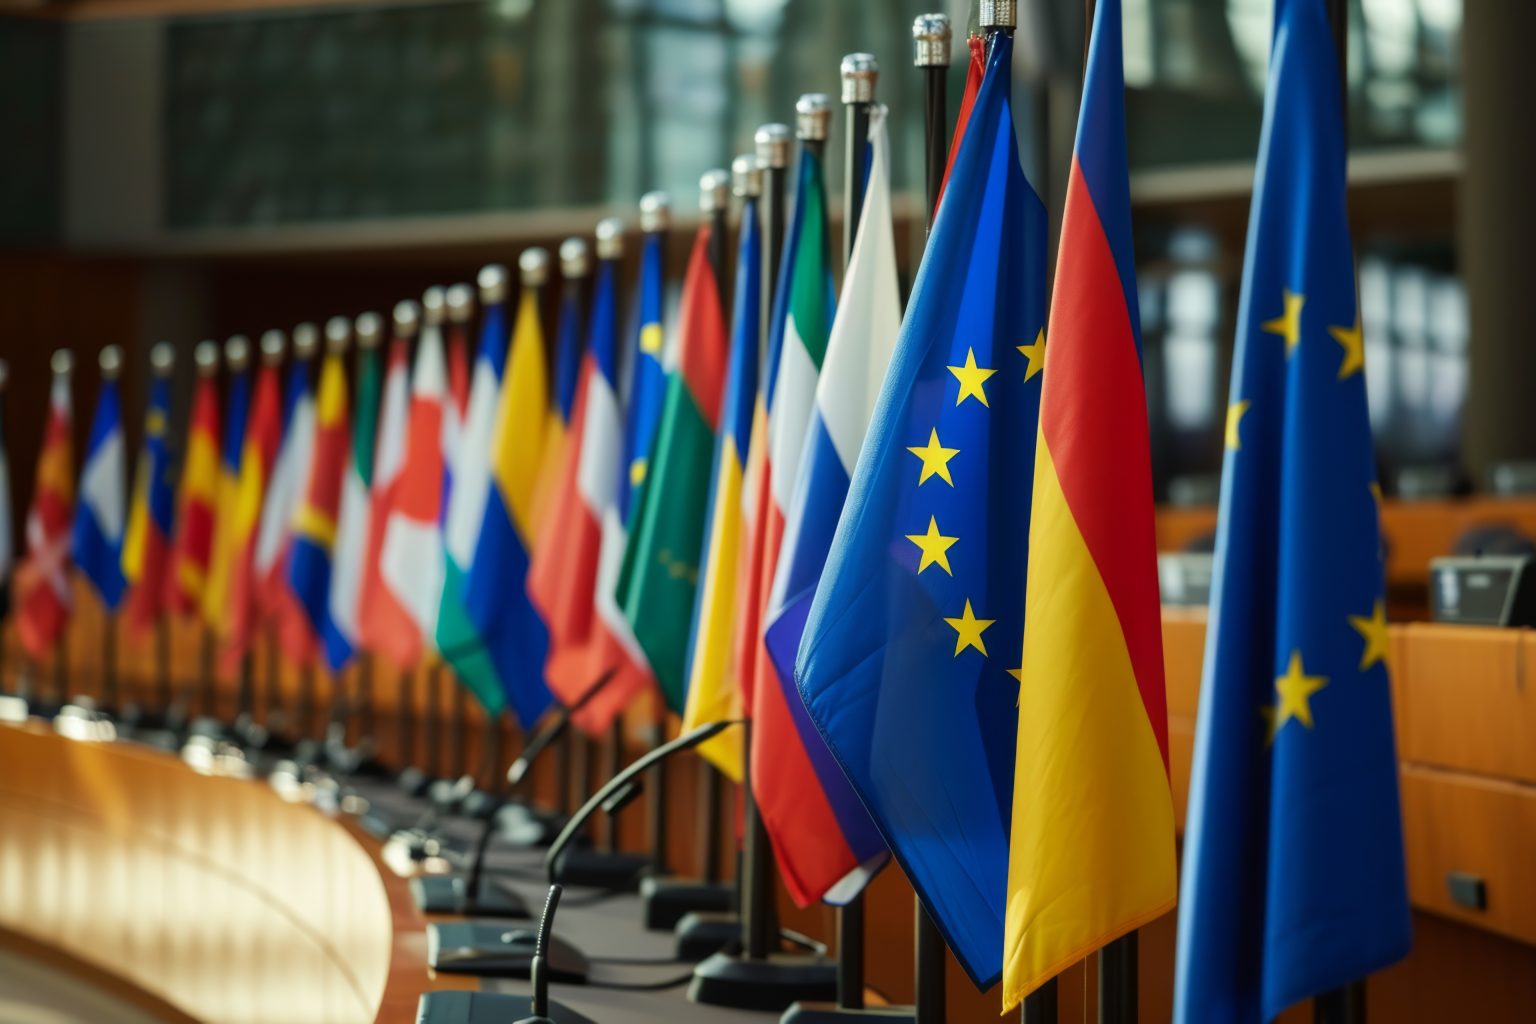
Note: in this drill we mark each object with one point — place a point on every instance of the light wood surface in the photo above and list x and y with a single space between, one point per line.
212 895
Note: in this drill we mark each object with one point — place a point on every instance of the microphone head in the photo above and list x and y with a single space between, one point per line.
461 303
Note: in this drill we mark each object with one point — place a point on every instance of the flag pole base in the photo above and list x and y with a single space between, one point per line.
701 935
487 1008
831 1013
772 984
668 900
490 950
447 894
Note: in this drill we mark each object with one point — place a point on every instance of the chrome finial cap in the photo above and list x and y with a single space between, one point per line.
162 358
930 41
999 14
492 281
306 341
714 190
533 264
747 176
610 238
860 72
62 362
655 212
237 352
575 258
338 333
110 360
461 303
407 318
206 357
434 306
369 330
813 114
272 344
772 142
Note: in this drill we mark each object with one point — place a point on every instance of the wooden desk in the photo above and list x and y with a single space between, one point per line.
197 897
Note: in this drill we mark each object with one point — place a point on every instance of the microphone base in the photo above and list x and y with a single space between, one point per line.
703 935
488 1008
480 804
414 781
772 984
595 869
447 894
831 1013
496 950
668 900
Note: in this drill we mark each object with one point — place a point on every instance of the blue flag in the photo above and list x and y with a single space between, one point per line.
101 512
1293 855
907 659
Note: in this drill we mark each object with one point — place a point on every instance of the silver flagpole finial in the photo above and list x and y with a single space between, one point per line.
206 356
110 360
714 190
813 114
237 352
162 358
338 334
369 329
533 264
574 259
860 71
434 306
772 142
62 362
747 176
407 318
999 14
306 341
930 41
492 281
272 344
461 303
655 212
610 238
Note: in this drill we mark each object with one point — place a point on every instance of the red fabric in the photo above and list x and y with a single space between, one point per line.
192 549
42 584
263 435
973 73
378 611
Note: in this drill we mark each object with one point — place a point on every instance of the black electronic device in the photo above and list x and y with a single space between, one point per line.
1483 590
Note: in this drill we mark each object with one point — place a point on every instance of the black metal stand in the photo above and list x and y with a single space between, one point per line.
1040 1005
1341 1005
931 963
1117 981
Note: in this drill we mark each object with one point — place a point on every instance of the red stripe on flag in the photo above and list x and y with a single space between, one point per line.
1095 409
701 322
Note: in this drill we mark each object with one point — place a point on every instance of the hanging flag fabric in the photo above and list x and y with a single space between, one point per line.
563 580
103 496
197 500
714 693
151 518
826 844
277 602
263 435
1294 881
804 275
975 67
1091 792
349 553
647 389
495 587
378 610
568 351
42 585
660 576
411 558
221 555
315 522
906 666
457 638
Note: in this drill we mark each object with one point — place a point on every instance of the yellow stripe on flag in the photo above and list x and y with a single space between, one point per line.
1090 857
714 692
522 420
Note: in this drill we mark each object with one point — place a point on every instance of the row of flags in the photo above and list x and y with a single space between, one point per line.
914 550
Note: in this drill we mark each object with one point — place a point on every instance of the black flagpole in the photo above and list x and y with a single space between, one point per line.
1346 1004
930 53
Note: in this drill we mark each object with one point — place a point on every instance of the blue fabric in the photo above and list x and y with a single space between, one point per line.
1293 857
162 476
647 380
603 331
511 630
925 733
233 444
99 556
568 339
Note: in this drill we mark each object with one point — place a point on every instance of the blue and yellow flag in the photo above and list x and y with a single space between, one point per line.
1293 853
101 510
152 514
647 376
908 661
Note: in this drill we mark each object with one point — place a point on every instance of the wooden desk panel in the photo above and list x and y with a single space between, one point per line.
210 894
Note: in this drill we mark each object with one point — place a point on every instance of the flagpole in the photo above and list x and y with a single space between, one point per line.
237 359
368 329
272 344
930 53
162 360
1345 1004
610 247
110 362
859 72
306 345
772 142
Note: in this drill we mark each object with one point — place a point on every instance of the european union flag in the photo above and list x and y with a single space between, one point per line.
908 660
1293 869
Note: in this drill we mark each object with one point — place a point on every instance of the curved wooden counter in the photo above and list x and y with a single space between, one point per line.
210 896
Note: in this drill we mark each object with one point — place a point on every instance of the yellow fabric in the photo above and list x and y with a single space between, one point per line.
132 558
221 557
523 420
714 692
1091 855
